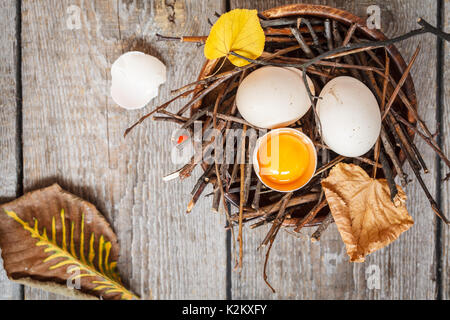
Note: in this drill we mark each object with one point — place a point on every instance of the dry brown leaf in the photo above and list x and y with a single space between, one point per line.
56 241
363 211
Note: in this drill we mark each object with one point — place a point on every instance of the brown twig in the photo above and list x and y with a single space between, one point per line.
349 34
416 152
389 176
404 98
161 107
424 137
400 83
196 197
204 179
202 94
401 139
167 119
267 257
353 48
227 212
312 31
321 229
311 215
241 199
216 198
393 156
329 165
278 219
395 129
231 119
301 41
256 196
273 208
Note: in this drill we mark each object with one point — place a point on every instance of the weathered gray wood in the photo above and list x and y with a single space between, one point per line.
299 269
73 135
8 126
445 236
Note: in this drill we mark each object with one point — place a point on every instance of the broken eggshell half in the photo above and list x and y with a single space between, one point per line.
136 77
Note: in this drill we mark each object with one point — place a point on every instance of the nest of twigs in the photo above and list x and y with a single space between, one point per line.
325 43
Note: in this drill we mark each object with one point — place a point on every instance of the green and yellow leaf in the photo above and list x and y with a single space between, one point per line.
52 238
236 31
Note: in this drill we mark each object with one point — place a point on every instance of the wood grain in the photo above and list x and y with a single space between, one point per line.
9 163
299 269
73 136
445 134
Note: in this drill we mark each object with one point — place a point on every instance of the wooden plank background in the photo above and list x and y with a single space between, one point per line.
445 200
72 134
9 163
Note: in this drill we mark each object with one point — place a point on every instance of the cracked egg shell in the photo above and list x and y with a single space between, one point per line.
350 116
273 97
136 77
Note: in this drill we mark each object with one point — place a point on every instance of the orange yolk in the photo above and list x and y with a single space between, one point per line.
286 161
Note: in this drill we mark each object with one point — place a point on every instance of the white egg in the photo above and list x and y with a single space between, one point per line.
136 77
273 97
350 116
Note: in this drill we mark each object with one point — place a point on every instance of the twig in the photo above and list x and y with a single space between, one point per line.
314 36
385 82
355 47
404 99
204 178
329 165
424 137
216 199
327 25
227 212
400 137
167 119
202 94
389 176
189 167
311 215
336 65
278 22
161 107
416 152
196 197
248 173
267 257
287 31
298 36
394 126
400 83
229 74
391 153
323 226
255 203
231 118
241 199
273 208
376 156
349 34
278 219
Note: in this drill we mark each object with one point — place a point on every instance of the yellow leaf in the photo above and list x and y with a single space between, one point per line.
363 211
236 31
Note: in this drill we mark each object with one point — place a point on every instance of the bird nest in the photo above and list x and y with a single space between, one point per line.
325 43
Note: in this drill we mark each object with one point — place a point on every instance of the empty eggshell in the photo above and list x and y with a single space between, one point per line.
136 77
273 97
350 116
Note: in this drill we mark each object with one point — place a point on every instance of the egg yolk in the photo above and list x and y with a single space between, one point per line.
285 161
